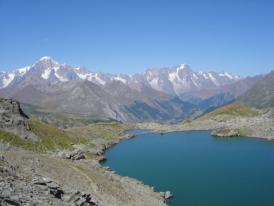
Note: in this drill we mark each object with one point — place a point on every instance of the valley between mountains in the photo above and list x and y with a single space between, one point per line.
159 94
56 121
251 114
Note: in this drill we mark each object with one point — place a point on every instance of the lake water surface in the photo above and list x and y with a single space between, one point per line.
199 169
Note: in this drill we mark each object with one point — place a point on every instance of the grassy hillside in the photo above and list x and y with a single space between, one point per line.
236 119
49 138
61 120
101 130
260 96
236 109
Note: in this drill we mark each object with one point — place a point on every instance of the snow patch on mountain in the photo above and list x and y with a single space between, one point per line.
45 58
83 76
121 79
230 76
46 73
23 70
183 66
213 79
8 79
97 78
62 79
154 83
173 76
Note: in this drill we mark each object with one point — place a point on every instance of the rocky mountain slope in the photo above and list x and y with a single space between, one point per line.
262 94
61 167
14 120
158 94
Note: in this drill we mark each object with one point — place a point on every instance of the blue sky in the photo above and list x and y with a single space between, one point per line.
130 36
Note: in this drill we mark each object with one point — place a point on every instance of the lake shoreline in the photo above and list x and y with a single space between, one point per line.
165 195
161 132
208 125
167 130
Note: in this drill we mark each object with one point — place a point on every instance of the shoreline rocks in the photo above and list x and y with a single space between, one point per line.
129 136
225 132
166 195
72 155
102 158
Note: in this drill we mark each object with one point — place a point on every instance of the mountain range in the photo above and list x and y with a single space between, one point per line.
163 94
251 114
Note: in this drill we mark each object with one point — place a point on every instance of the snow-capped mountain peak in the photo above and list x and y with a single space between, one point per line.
46 61
183 67
45 58
7 79
174 80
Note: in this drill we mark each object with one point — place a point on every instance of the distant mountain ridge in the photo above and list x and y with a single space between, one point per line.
175 80
157 94
261 95
251 114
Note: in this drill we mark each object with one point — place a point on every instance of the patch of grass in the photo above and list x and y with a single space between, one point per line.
244 132
60 119
187 121
49 138
105 131
89 155
15 140
235 109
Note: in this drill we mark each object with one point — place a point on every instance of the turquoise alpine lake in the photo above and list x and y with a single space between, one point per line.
198 169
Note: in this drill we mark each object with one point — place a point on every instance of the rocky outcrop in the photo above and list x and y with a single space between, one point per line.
19 190
55 181
72 155
167 195
13 119
74 197
225 132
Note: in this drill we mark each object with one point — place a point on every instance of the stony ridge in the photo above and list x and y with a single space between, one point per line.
13 119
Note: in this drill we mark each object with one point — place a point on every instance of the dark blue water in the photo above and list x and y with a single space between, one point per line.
199 169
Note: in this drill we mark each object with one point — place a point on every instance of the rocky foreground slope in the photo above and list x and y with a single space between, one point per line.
61 167
19 187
